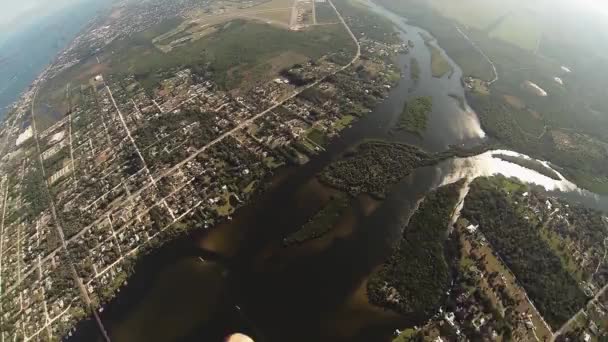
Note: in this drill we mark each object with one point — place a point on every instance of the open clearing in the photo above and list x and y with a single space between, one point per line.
272 12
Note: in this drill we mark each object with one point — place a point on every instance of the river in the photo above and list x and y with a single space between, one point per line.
246 281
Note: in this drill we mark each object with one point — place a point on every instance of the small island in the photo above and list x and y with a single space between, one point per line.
415 114
439 64
414 70
321 223
531 164
373 167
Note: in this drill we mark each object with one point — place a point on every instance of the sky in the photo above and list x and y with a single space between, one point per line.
14 13
601 5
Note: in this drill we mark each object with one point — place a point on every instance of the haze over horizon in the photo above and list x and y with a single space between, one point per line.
15 16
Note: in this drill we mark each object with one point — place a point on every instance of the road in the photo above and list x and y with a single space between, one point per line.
83 292
70 132
124 125
3 201
255 117
580 312
242 125
482 53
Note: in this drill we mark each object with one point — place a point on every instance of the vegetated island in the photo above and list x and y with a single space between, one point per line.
415 278
414 70
321 223
502 218
531 164
439 64
373 167
415 114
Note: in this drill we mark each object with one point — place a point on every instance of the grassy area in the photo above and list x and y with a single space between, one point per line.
325 13
366 22
589 181
234 50
439 64
415 114
405 336
344 122
317 136
272 163
236 55
554 241
250 187
224 207
321 223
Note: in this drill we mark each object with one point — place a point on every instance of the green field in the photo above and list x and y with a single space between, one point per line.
344 122
233 52
317 136
325 13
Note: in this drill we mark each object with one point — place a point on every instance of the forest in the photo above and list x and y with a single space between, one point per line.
373 167
552 289
415 278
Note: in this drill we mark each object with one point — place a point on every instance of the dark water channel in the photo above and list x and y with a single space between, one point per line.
246 281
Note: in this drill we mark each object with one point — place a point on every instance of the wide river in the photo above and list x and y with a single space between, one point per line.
238 277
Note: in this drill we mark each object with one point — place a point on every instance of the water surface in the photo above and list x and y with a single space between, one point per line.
314 292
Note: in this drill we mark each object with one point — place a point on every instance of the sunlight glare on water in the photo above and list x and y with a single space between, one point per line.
485 165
